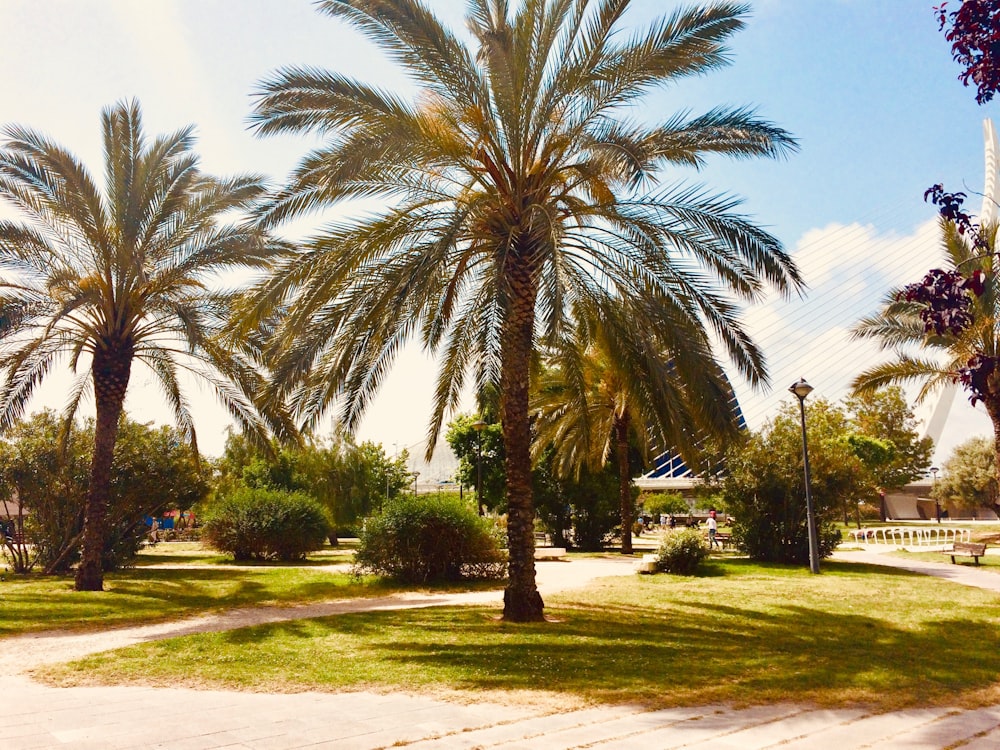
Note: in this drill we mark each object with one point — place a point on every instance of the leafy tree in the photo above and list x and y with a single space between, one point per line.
44 471
610 387
276 471
933 359
969 478
875 455
47 470
595 510
349 480
577 511
885 416
471 446
109 279
764 487
352 481
516 189
974 33
668 503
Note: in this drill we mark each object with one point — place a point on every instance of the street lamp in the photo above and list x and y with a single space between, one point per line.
388 472
801 389
479 425
415 475
937 503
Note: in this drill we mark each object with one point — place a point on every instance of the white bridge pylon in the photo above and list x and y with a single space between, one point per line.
988 214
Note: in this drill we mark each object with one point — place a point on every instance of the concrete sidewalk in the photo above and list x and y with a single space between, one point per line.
964 573
38 716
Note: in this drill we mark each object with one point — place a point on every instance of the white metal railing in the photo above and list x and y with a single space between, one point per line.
912 536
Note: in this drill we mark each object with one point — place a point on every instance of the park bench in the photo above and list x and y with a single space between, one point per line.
966 549
545 552
724 538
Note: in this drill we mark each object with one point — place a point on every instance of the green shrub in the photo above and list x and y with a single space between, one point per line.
772 528
265 524
428 538
682 552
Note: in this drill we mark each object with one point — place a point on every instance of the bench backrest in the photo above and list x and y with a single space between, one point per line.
972 548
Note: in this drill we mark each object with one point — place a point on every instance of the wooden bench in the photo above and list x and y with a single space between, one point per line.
724 538
966 549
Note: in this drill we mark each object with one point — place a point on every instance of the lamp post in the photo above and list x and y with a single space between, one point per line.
479 425
937 503
801 389
415 475
388 469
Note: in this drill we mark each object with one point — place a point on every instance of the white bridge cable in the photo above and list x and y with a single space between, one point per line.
827 307
904 258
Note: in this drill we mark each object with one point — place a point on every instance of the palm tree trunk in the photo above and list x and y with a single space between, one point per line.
621 427
112 368
521 600
992 405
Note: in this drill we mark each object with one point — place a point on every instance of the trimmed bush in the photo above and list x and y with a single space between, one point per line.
265 524
682 552
421 539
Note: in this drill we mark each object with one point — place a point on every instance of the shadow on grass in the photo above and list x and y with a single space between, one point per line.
717 654
145 595
745 634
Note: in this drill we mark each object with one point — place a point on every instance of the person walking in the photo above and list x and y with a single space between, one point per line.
713 526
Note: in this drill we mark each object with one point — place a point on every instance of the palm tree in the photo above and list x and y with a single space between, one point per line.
971 355
514 185
610 385
103 280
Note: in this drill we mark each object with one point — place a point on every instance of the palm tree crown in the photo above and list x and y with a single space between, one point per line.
516 189
103 279
610 385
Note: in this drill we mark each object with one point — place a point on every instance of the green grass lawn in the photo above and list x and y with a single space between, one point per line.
149 593
741 633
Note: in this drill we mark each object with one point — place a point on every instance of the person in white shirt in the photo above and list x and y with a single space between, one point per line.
713 526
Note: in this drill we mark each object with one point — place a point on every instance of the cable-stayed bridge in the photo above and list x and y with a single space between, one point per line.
849 270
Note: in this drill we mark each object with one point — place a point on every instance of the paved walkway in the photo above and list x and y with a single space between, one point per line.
965 573
38 716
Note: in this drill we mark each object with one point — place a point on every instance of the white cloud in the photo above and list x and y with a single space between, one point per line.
850 268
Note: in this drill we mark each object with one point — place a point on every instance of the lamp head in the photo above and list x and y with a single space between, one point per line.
479 425
801 389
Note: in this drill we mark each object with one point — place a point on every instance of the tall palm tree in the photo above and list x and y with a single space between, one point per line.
100 280
937 360
515 183
610 384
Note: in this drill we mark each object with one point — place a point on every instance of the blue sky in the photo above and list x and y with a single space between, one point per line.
867 86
